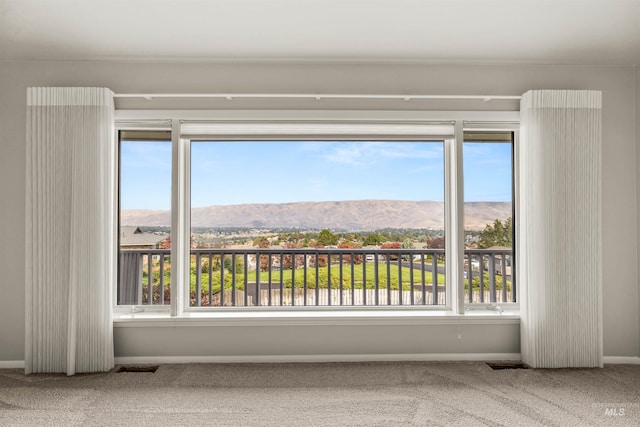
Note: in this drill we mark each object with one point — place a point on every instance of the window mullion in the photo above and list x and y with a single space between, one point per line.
179 221
454 219
515 197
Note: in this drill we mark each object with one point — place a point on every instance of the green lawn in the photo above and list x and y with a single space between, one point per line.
288 277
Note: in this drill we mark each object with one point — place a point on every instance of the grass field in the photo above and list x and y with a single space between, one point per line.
397 276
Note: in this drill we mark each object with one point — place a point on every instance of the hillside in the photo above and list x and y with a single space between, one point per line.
348 215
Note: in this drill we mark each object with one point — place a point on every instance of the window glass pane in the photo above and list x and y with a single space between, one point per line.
144 264
317 223
488 217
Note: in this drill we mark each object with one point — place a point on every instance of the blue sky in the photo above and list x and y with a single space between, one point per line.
487 172
226 173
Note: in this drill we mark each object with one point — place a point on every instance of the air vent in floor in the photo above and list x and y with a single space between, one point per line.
138 368
496 366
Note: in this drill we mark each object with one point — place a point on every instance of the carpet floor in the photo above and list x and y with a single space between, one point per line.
351 394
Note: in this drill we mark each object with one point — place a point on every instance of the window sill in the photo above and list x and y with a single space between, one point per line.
316 318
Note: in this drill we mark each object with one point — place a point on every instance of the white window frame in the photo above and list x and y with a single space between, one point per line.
489 126
454 197
131 125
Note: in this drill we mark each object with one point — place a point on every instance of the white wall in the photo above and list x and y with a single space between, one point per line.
620 219
325 341
637 92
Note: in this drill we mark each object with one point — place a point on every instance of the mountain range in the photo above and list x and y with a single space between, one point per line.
339 215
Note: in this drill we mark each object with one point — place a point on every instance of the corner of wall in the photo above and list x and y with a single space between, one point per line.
636 90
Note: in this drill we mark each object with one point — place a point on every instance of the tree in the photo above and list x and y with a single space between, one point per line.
292 261
239 261
391 245
327 238
166 243
436 242
407 244
263 243
373 239
497 234
357 258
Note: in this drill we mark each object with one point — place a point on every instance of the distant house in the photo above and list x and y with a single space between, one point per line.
498 259
275 262
370 257
131 237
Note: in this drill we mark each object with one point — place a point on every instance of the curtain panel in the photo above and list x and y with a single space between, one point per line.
69 230
559 232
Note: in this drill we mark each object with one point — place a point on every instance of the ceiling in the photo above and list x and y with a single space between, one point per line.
603 32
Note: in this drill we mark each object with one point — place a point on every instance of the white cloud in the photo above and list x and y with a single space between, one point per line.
371 152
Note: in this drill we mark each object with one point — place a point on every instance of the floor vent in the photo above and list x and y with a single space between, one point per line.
496 366
138 368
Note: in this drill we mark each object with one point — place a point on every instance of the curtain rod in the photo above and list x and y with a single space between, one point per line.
316 96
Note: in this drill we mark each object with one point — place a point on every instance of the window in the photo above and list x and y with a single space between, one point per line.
314 215
317 223
489 268
144 237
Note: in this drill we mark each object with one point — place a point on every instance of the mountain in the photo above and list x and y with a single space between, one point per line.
346 215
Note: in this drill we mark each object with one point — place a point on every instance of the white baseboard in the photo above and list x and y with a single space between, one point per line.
429 357
321 358
11 364
621 360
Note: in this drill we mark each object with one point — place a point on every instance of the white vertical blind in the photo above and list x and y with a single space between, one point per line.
69 230
559 259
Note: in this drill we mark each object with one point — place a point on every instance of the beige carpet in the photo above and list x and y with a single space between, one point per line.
355 394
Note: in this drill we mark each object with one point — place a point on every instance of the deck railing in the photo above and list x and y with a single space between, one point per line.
315 277
492 273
